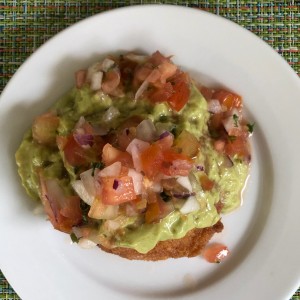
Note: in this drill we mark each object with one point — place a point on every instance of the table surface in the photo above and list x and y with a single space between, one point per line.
25 25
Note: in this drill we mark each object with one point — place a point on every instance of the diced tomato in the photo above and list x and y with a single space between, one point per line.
215 253
151 160
117 190
111 154
80 77
161 94
141 73
216 121
157 58
111 81
152 212
99 210
166 142
219 145
125 137
63 211
206 92
228 99
175 164
176 92
155 160
158 210
181 93
206 183
44 128
127 68
237 145
74 154
187 144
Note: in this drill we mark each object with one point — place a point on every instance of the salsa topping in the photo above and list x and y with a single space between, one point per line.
137 149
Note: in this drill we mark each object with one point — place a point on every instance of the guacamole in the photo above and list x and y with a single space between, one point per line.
39 162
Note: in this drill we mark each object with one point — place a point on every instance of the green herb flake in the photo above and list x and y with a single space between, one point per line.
74 238
97 165
231 138
236 120
165 197
250 127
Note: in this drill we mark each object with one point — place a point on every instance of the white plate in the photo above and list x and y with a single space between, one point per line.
263 235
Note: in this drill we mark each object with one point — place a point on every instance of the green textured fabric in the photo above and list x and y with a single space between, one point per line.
25 25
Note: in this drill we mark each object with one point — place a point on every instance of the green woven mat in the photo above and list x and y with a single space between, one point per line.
25 25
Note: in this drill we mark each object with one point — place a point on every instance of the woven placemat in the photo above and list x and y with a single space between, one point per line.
25 25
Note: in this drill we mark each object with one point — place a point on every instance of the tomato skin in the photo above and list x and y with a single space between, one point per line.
206 92
175 92
238 146
111 154
181 92
215 253
161 94
151 160
228 99
175 164
155 160
63 211
74 154
117 190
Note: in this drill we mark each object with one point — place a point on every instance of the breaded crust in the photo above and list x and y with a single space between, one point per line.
189 246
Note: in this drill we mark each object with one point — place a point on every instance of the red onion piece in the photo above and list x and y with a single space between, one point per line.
84 140
115 184
164 134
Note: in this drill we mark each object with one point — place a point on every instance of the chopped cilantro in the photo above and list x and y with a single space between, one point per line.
163 118
74 238
174 131
97 165
165 197
250 127
236 120
214 133
231 138
85 210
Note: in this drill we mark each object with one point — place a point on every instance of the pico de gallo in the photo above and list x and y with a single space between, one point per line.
136 153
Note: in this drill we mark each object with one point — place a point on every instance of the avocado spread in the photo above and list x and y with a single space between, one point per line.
227 174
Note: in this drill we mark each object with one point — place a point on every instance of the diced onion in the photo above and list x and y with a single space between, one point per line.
136 58
80 123
185 182
96 81
146 131
92 70
86 243
135 148
88 182
111 171
110 114
141 89
190 205
112 225
82 192
137 179
107 64
214 106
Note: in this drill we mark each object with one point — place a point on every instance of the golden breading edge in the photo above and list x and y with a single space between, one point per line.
189 246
